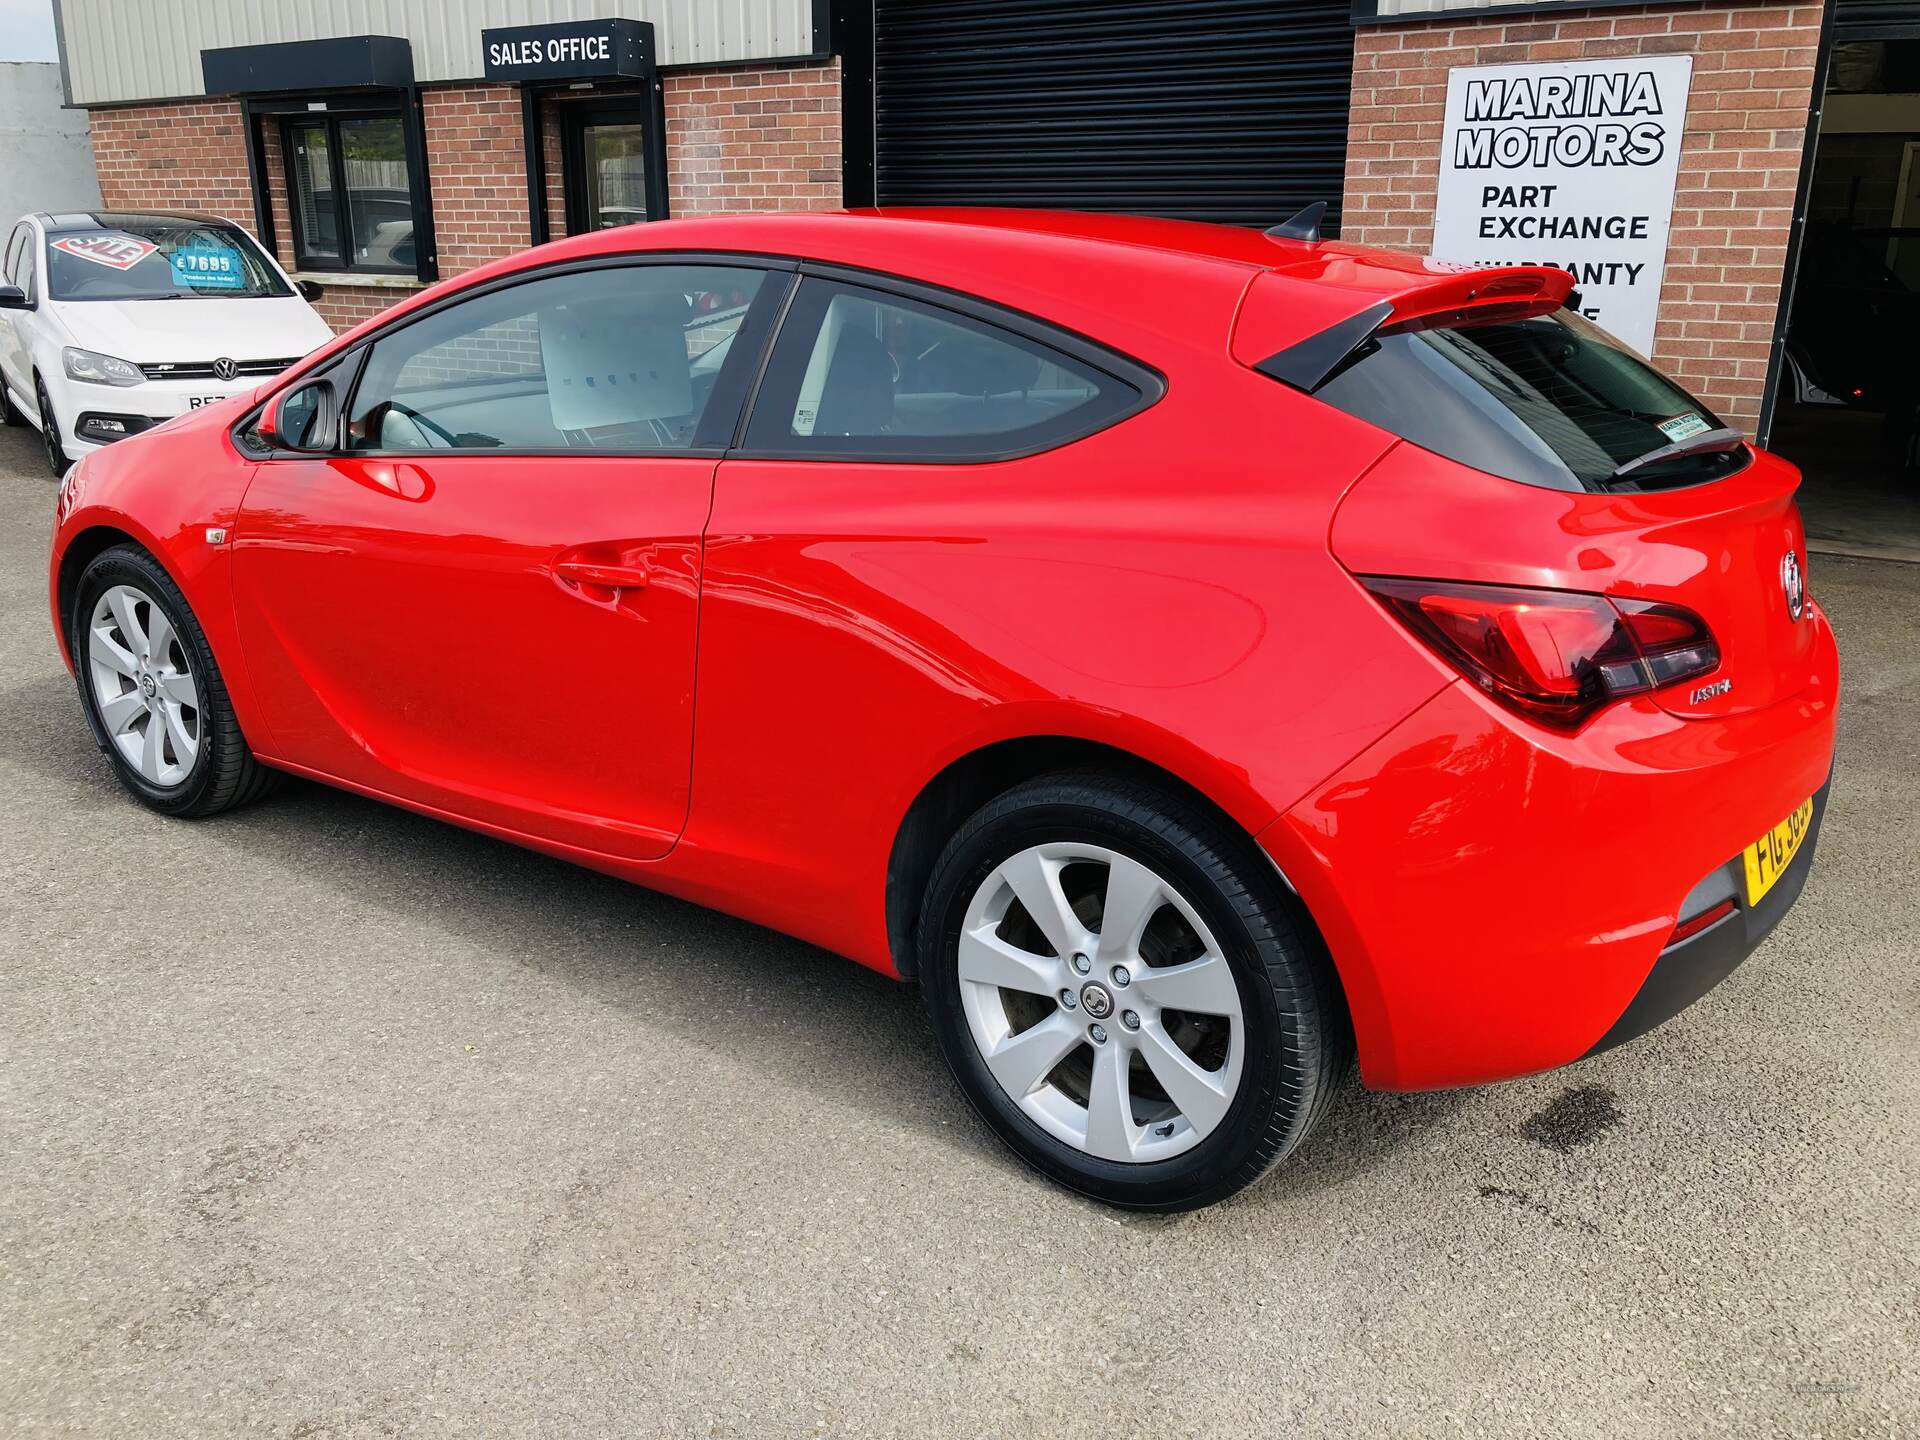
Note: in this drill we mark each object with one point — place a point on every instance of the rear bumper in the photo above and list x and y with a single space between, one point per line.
1688 970
1498 899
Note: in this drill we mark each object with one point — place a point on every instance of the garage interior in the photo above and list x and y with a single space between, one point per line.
1848 408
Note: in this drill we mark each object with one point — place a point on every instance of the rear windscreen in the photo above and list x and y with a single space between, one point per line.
1552 401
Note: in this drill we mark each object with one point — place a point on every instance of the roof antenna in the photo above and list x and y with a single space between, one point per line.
1304 226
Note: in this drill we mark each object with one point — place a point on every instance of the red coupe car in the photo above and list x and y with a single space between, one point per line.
1189 655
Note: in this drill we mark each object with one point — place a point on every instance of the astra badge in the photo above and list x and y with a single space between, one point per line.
1710 692
1794 584
225 369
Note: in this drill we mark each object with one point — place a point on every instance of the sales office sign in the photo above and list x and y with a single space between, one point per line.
1571 165
572 50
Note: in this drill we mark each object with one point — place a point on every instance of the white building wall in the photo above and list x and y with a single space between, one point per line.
46 158
124 50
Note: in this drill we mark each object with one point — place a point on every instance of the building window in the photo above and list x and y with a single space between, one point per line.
350 193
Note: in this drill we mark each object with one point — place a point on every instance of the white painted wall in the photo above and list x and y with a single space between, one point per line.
46 156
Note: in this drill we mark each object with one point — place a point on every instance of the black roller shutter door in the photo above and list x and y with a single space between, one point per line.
1226 110
1875 19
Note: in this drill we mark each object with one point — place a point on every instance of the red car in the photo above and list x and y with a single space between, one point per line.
1188 654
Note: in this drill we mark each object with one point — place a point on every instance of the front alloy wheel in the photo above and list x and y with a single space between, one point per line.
143 686
156 699
1125 991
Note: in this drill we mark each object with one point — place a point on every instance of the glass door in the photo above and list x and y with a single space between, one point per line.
612 158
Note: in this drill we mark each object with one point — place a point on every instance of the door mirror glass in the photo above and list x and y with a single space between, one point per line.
12 297
305 418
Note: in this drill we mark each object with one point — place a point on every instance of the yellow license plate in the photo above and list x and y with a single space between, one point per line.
1770 855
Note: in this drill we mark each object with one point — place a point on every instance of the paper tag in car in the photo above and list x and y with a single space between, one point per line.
1680 427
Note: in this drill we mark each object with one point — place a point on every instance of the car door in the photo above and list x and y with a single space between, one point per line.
16 325
485 599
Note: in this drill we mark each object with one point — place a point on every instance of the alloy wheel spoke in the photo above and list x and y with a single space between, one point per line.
986 959
1036 881
1201 1096
153 757
122 710
1022 1061
177 686
122 602
1134 893
1204 986
159 634
1111 1132
103 651
183 743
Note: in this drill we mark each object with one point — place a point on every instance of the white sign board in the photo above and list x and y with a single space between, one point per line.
1569 164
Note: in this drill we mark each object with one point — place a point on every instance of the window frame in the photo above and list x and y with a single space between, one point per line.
731 388
1147 383
329 121
26 236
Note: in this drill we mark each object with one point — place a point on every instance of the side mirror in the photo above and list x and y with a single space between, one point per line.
309 291
12 297
305 418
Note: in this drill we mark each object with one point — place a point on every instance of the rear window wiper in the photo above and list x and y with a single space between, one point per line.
1706 442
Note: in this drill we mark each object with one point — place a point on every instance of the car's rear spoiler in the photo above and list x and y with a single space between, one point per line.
1300 322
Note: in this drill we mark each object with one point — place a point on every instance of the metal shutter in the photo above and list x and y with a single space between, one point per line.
1227 110
1875 19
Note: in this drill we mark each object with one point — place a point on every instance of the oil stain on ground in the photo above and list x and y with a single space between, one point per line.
1577 1117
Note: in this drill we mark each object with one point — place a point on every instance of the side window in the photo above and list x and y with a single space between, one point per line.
863 374
621 358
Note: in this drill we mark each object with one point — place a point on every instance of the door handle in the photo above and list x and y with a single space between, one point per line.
595 572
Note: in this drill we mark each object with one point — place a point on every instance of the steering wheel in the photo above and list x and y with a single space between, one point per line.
448 440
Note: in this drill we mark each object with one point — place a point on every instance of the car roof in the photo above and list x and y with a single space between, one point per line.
120 219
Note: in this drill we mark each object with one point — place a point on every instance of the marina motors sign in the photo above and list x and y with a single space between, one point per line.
1569 164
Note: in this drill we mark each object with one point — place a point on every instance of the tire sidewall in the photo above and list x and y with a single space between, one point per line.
1217 1163
121 566
56 451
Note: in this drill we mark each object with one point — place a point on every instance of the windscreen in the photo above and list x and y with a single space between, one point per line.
1552 401
157 259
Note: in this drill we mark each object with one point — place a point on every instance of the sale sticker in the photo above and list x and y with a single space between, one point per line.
207 267
116 252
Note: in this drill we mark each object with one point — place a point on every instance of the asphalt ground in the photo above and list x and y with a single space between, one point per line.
325 1119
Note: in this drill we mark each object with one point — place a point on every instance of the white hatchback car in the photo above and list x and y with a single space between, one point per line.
94 349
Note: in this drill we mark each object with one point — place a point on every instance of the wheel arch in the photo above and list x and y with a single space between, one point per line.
976 777
80 551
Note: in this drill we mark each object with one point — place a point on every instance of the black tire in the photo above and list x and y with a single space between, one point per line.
57 459
1298 1041
224 773
9 412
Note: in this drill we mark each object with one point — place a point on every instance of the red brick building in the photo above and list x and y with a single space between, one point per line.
374 163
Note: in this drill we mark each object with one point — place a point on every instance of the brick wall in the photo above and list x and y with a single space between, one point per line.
760 139
189 156
1753 72
753 140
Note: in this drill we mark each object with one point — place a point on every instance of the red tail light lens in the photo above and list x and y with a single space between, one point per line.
1553 655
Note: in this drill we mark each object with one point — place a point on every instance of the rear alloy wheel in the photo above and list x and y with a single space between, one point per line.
50 432
158 705
1126 1041
1124 991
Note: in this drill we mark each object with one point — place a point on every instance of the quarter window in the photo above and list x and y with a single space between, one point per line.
860 373
619 358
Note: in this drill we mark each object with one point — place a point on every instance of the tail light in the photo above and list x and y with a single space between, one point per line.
1555 656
